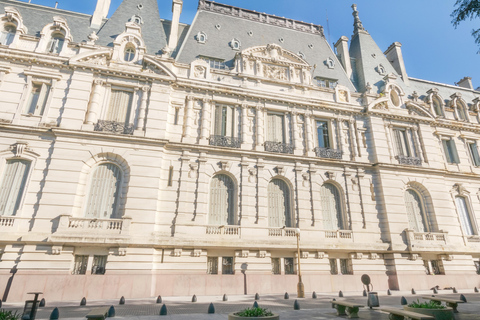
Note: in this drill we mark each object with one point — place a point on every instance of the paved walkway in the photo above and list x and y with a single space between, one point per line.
181 308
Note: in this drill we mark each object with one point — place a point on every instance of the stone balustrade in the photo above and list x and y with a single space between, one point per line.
7 222
425 240
69 224
339 234
223 230
281 232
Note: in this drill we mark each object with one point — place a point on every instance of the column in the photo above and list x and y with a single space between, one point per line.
310 145
94 110
187 133
260 128
143 109
244 124
341 136
417 143
297 143
352 138
202 190
262 196
205 130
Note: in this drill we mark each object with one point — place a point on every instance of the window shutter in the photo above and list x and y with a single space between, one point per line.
415 211
103 193
42 99
464 213
475 155
218 120
279 204
120 106
13 185
454 152
331 208
221 211
270 127
229 122
446 149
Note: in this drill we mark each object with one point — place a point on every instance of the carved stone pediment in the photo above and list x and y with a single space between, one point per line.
416 109
274 63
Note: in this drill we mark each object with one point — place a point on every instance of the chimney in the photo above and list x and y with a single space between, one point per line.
466 83
101 12
394 55
342 50
176 10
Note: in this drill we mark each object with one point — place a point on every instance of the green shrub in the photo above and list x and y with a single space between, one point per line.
9 315
254 312
426 305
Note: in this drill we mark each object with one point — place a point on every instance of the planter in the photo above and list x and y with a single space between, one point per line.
439 314
232 316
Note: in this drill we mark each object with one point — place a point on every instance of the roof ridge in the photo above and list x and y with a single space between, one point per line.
207 5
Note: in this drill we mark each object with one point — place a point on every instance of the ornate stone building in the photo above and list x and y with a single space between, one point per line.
140 156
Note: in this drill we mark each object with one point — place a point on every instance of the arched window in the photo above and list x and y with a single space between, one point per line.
461 111
333 217
129 54
56 43
103 193
12 185
465 216
279 211
417 219
222 201
8 34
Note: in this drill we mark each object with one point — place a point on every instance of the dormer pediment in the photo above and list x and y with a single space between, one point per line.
274 63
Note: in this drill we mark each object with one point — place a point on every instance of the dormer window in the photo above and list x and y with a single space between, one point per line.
8 34
201 37
326 83
56 43
235 44
395 98
129 54
437 106
461 111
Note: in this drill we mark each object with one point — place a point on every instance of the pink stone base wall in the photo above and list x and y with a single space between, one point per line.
407 281
66 287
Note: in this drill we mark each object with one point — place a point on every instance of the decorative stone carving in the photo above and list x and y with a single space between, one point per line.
57 250
373 256
320 255
177 252
262 254
19 148
199 71
304 254
193 169
413 257
196 253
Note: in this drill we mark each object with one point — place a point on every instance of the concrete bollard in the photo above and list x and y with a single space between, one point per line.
413 291
211 308
403 301
257 296
314 295
111 312
42 303
122 300
255 304
163 310
194 298
0 303
340 294
296 305
475 290
435 291
159 299
83 302
225 298
333 305
389 292
55 314
455 290
462 297
364 293
286 296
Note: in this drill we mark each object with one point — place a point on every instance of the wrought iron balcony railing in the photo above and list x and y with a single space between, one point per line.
328 153
114 127
222 141
279 147
409 161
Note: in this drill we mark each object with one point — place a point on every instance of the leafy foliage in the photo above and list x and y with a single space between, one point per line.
467 9
253 312
426 305
9 315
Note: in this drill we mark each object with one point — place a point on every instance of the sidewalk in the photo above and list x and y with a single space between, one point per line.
180 308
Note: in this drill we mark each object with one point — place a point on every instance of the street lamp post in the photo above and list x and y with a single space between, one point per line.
300 286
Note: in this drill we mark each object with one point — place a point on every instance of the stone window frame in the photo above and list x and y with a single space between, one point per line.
235 44
459 190
58 26
201 37
448 136
330 129
13 17
432 96
111 86
344 214
36 77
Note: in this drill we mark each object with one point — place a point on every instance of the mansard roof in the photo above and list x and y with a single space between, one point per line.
152 27
222 24
35 17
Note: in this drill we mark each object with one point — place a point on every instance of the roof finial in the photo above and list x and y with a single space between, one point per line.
358 26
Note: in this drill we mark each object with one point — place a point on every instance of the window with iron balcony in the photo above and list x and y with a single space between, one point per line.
405 148
324 142
226 127
277 135
118 117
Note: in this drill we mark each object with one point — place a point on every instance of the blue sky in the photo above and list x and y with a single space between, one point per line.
432 48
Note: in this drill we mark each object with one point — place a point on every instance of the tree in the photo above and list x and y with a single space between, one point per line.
467 9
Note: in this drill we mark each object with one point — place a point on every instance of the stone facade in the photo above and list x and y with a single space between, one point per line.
130 172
